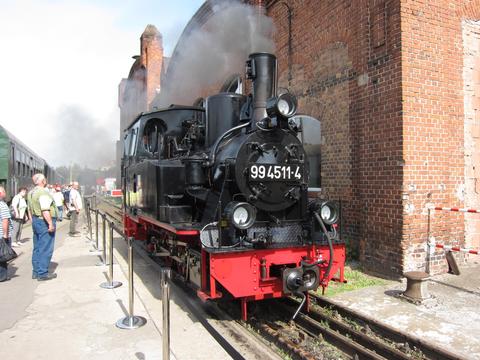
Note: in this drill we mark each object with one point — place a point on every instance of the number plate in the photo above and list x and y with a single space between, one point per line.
270 172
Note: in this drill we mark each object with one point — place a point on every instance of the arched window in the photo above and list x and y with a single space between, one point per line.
233 85
199 102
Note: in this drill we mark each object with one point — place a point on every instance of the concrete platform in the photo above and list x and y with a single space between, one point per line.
71 317
450 319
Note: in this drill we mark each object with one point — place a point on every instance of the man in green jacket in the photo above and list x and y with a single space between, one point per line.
44 216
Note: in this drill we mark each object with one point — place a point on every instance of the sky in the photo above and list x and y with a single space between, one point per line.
62 61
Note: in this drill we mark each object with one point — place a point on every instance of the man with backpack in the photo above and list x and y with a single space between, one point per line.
75 206
19 214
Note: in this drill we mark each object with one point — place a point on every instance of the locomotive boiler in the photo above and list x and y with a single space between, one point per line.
221 193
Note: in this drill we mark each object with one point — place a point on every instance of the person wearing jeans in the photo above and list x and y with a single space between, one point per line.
44 215
5 231
43 244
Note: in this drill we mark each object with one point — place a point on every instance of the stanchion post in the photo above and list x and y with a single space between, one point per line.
104 242
131 321
110 284
89 219
164 283
96 228
95 245
104 239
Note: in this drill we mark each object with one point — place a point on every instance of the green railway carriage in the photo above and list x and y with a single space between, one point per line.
18 163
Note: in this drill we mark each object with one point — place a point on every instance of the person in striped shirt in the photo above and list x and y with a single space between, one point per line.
6 229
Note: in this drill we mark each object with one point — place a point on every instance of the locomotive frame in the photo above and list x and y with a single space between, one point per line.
221 193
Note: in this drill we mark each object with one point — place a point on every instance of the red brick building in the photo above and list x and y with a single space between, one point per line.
396 86
136 92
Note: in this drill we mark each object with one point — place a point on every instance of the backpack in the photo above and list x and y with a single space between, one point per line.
66 196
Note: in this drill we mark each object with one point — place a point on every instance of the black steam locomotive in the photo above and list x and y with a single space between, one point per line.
221 192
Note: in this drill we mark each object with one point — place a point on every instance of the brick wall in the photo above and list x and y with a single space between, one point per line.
345 70
396 85
441 146
471 90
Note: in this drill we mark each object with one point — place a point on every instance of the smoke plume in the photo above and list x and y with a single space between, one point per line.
213 51
79 139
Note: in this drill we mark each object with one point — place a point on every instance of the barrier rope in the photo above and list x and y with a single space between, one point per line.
456 248
457 209
450 247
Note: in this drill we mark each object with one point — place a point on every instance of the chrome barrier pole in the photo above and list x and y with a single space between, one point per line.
110 284
95 246
164 283
90 223
89 219
131 321
96 228
104 242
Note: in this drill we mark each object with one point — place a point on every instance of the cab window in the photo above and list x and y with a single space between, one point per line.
153 136
311 137
130 140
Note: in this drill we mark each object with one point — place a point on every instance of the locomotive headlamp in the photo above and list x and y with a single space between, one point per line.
329 213
241 214
284 105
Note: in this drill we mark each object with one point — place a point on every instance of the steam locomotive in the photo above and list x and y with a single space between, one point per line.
221 193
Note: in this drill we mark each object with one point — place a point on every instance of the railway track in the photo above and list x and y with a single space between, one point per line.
113 210
354 335
328 331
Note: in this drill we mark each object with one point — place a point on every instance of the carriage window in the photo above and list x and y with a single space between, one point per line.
311 138
153 137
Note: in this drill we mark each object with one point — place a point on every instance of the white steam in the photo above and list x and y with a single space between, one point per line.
216 50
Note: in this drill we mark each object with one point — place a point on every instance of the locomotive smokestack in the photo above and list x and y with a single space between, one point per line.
262 69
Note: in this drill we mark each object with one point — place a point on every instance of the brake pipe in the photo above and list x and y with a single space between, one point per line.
456 248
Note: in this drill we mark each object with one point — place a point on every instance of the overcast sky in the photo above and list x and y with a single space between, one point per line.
64 59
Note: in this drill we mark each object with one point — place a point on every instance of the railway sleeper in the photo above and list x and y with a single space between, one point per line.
365 340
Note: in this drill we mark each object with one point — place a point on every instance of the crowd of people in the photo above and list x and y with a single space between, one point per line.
44 205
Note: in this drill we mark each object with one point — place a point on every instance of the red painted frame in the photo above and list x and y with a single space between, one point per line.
239 272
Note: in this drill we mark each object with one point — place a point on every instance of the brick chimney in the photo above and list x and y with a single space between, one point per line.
151 57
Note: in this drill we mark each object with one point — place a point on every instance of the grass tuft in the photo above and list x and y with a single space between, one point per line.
356 279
